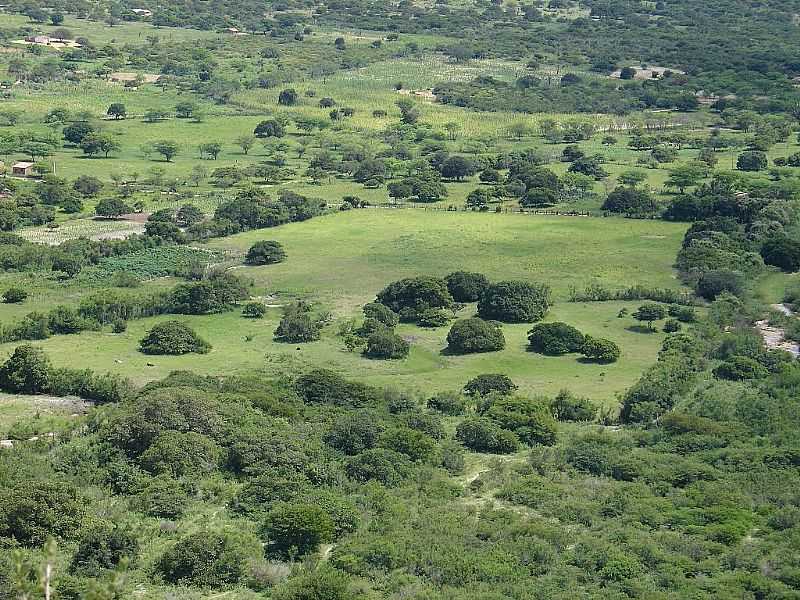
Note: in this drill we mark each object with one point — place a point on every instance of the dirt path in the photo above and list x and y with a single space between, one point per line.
775 337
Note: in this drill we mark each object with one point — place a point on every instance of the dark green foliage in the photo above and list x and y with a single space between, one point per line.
266 252
32 511
216 294
600 350
260 493
490 383
713 283
568 407
555 339
684 314
515 302
322 386
475 335
173 337
353 433
672 326
529 418
102 547
269 128
298 325
386 344
14 295
782 252
414 444
207 559
379 464
752 161
448 403
483 435
181 454
417 293
737 368
162 497
254 310
321 583
433 317
649 313
630 201
27 371
297 529
381 313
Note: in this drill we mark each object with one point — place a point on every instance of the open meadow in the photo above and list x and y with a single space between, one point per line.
339 262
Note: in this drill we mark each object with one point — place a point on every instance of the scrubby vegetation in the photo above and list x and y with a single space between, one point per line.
503 300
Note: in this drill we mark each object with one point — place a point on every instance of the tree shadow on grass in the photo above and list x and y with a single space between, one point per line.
641 329
592 361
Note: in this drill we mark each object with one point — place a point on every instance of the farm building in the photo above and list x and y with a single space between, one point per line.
142 12
38 39
22 169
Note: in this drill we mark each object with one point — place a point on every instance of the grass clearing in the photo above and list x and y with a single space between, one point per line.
340 261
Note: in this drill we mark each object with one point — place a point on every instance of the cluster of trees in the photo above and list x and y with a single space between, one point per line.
556 339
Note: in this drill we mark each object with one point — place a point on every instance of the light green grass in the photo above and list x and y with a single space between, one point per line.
346 258
426 370
340 261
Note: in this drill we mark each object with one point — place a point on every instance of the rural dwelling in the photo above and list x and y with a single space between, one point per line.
142 12
22 169
38 39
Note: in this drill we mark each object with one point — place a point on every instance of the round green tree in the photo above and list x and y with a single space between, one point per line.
173 337
515 302
297 529
555 339
475 335
266 252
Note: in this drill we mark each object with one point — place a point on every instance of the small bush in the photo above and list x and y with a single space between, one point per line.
568 407
483 435
297 529
475 335
448 403
489 383
432 317
206 559
555 339
672 326
466 287
515 302
379 464
298 325
14 295
380 313
173 337
738 368
162 497
254 310
600 350
266 252
386 344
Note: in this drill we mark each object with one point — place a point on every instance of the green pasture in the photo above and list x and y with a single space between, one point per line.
245 345
340 261
348 257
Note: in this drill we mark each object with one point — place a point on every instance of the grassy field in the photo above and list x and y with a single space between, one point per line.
350 256
340 261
